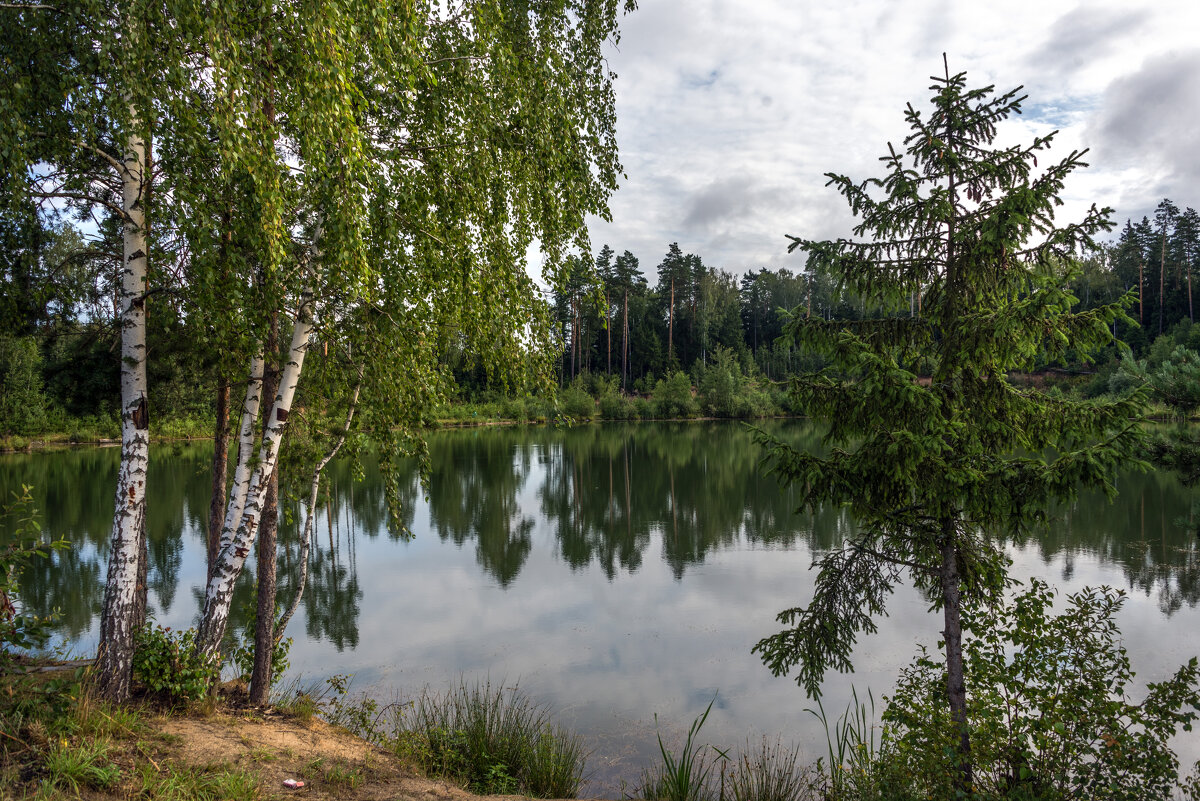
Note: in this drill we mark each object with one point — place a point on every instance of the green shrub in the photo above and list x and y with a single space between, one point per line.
242 654
721 383
673 397
167 664
1047 707
575 403
617 407
22 402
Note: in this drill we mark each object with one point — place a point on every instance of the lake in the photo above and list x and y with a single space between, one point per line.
617 573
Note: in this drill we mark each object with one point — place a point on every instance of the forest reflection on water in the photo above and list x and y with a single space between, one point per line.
615 571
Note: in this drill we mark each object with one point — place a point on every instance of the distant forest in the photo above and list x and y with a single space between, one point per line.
633 327
612 321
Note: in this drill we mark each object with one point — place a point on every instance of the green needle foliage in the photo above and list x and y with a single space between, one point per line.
937 472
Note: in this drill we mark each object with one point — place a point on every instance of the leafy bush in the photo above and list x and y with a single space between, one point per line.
617 407
1047 707
673 397
22 403
721 383
575 403
18 628
167 664
242 654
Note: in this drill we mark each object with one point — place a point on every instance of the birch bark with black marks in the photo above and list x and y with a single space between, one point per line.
219 593
119 618
242 471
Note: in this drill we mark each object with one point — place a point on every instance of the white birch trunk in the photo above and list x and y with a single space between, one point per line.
219 594
114 659
306 539
242 473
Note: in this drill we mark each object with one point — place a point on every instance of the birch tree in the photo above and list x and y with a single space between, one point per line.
82 88
416 152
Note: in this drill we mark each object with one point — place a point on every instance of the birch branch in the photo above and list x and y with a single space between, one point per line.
306 540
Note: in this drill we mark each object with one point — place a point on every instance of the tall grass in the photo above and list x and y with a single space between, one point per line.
771 772
764 772
492 738
683 776
851 742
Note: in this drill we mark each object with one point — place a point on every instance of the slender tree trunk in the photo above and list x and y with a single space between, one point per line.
306 538
264 620
625 343
1141 290
219 593
956 686
243 470
1187 258
671 323
119 619
1162 270
608 328
220 474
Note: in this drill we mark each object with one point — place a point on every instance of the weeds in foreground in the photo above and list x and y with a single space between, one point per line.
851 741
494 740
771 772
80 766
336 774
173 783
683 776
763 772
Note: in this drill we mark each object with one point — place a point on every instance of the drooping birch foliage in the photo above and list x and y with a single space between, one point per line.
937 471
372 175
387 168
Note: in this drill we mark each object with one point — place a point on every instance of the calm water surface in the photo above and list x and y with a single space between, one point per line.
615 572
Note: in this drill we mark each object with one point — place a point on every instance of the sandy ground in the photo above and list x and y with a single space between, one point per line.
331 762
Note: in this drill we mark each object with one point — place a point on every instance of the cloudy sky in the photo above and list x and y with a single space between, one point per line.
729 113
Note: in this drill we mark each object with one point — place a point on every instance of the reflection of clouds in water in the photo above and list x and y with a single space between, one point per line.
617 572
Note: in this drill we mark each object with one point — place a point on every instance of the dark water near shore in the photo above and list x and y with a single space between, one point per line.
614 572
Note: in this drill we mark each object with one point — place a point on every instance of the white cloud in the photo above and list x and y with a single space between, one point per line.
730 113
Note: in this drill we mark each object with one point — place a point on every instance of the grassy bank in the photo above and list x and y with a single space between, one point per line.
58 742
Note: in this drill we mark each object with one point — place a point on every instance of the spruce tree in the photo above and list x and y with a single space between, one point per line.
940 471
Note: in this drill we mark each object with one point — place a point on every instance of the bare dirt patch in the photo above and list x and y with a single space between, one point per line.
331 762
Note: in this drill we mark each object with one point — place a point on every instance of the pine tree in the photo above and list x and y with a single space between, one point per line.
938 475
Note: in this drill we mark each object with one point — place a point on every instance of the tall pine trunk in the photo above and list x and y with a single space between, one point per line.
123 604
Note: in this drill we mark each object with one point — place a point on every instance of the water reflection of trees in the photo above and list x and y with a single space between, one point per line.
698 485
605 492
475 482
1146 531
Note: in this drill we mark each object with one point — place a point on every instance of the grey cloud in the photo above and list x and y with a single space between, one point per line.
1083 34
725 200
1148 121
1150 114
